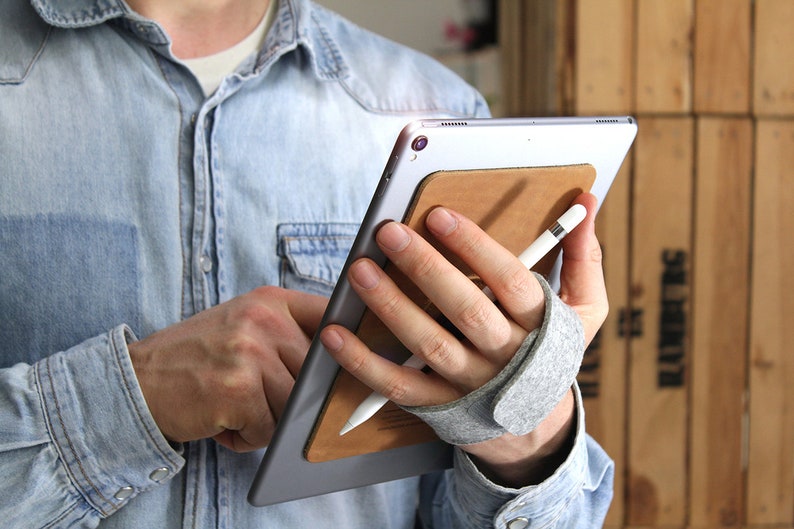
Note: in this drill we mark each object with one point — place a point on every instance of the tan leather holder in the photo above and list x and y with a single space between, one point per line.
514 206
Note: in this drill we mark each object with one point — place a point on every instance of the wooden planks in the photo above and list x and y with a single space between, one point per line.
773 74
510 38
712 85
536 62
664 56
770 483
722 56
720 320
604 56
660 297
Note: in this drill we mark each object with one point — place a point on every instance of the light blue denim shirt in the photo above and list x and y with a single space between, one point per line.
129 201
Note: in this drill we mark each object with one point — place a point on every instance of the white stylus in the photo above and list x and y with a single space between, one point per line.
529 257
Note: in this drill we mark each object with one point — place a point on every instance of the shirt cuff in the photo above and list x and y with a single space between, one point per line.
100 423
488 504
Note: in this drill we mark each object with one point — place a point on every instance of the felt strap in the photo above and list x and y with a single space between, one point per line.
528 388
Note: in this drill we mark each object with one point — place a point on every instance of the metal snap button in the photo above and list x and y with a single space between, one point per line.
205 263
159 474
123 493
518 523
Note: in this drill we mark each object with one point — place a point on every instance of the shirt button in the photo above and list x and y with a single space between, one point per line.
206 264
123 493
159 474
518 523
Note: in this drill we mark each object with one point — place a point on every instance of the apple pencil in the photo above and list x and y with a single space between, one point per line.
529 257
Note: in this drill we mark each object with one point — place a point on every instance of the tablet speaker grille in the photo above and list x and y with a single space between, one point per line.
454 123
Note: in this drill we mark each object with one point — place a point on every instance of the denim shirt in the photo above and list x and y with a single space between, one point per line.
129 201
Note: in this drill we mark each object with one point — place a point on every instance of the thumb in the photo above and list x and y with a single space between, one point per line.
307 310
582 275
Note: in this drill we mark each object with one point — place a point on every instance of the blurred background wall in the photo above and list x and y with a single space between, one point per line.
690 384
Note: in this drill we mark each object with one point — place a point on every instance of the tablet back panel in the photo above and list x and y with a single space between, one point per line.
303 458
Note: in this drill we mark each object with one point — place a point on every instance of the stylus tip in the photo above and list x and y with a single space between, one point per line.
346 428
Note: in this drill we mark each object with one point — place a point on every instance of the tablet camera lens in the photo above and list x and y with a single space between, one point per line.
419 143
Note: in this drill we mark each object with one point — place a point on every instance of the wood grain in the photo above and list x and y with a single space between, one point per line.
770 483
773 74
660 288
720 321
604 56
722 56
664 56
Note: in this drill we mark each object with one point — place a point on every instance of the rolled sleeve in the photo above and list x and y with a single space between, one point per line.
100 425
578 494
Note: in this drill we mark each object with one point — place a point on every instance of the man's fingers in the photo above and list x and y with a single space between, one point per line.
227 372
454 294
513 285
404 385
307 310
582 276
419 332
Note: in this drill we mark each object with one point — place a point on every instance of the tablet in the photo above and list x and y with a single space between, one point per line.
514 177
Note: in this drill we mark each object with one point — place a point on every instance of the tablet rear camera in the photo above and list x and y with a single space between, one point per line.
419 143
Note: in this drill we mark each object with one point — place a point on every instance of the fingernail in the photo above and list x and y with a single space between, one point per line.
393 237
441 222
364 273
331 339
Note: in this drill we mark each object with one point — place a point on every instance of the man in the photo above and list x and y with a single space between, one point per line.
157 157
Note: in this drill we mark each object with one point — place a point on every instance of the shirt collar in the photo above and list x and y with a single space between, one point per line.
79 13
294 26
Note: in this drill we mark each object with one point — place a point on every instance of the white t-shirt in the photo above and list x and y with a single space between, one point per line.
211 69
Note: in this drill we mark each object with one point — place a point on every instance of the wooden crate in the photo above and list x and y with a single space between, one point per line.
712 85
773 73
722 56
661 254
720 313
770 482
604 57
535 39
664 56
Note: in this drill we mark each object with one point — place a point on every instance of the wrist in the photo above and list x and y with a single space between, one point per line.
520 461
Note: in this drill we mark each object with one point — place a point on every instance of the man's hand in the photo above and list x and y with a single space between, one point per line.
492 332
226 372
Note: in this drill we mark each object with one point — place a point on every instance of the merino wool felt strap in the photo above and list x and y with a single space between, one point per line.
525 391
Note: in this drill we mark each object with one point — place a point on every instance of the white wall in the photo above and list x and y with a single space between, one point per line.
415 23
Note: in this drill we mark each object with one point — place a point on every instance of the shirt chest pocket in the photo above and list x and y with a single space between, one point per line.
313 254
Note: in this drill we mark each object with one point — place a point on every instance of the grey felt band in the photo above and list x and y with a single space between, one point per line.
525 391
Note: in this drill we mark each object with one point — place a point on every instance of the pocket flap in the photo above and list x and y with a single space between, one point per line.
315 251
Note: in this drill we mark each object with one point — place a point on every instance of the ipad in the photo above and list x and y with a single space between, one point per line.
514 177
